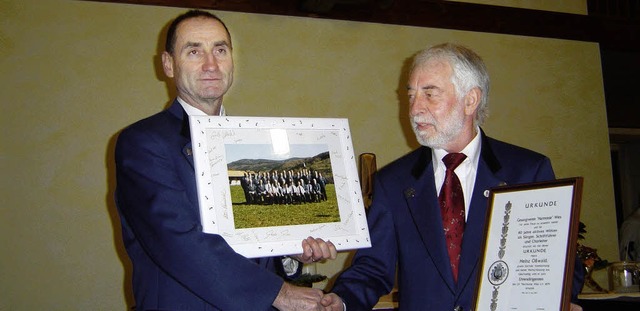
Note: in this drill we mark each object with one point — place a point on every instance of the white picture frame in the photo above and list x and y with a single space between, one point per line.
220 142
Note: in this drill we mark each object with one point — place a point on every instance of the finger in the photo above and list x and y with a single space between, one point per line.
307 251
333 250
316 294
324 248
329 250
331 301
327 300
316 249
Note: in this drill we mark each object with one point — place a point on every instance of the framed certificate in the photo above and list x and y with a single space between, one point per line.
530 246
265 184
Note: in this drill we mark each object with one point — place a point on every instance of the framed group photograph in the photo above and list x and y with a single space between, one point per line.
530 246
265 183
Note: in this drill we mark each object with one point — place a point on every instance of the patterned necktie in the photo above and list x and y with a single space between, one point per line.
451 202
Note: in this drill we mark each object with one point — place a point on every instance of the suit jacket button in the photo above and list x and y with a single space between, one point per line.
458 308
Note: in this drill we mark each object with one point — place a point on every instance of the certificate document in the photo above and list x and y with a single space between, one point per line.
530 247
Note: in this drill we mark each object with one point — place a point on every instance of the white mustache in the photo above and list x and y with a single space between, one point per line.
423 119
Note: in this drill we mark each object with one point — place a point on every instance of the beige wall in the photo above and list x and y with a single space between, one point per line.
74 73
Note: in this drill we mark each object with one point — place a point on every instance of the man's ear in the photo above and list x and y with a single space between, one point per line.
472 100
167 64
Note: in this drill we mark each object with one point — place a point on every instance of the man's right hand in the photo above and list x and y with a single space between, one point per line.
293 297
332 302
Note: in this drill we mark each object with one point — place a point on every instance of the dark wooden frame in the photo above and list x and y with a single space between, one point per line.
572 235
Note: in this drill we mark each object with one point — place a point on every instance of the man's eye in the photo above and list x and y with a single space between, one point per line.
193 52
221 51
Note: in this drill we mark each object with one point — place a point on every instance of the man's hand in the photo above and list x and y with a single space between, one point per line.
316 249
332 302
298 298
575 307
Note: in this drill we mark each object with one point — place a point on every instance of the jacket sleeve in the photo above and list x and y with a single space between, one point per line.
372 272
152 196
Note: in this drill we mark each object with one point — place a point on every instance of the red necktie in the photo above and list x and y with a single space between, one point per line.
451 202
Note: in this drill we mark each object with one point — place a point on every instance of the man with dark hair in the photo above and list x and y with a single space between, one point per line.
175 265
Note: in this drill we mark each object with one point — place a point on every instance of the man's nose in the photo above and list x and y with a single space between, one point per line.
417 105
210 63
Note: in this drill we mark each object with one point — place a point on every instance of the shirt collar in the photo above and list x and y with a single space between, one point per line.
193 111
472 151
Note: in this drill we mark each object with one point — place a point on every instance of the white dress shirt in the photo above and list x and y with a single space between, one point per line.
193 111
466 171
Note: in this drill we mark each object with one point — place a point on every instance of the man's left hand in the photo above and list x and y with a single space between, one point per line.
316 249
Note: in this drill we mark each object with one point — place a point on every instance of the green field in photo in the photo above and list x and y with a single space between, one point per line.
255 216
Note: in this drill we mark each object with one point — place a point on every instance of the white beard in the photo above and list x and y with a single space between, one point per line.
440 134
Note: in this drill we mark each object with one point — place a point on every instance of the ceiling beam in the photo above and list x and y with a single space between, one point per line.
611 33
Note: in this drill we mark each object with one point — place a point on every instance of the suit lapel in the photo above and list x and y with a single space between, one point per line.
185 131
187 151
487 177
474 229
422 200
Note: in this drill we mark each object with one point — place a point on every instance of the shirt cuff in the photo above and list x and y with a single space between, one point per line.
290 265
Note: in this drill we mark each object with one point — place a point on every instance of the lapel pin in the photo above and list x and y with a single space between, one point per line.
410 193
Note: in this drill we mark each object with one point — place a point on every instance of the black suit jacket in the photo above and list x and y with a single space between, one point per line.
175 265
406 230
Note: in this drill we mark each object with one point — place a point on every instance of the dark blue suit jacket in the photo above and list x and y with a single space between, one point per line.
175 265
406 228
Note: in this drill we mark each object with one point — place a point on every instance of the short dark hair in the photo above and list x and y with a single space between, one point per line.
171 33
